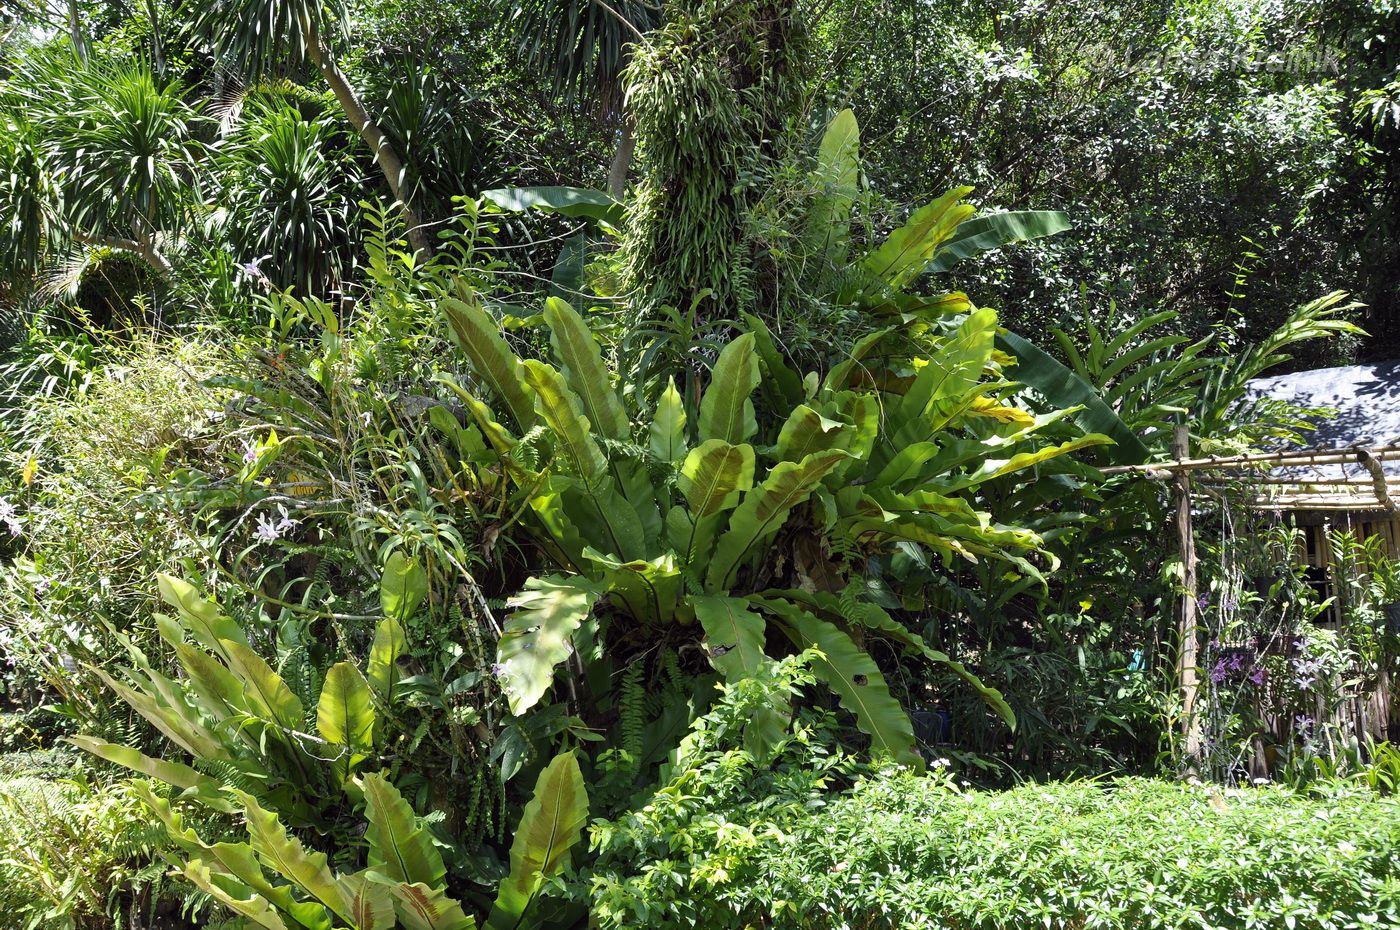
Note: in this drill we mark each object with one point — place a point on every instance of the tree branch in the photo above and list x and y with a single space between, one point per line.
144 250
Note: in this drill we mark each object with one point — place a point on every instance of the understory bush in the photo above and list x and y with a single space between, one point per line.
86 531
731 843
75 855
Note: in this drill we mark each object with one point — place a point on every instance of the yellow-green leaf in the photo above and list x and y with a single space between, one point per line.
174 773
371 906
996 468
389 643
713 475
215 687
733 634
854 676
763 512
667 431
561 409
537 635
399 847
345 716
583 369
179 724
402 586
873 617
807 431
836 179
490 358
903 255
233 895
948 382
649 589
263 689
421 907
726 410
198 614
285 855
549 827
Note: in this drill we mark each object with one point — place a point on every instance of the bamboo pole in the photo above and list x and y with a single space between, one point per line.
1188 658
1345 456
1307 482
1339 504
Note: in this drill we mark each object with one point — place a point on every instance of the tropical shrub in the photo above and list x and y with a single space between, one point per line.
108 157
1084 669
75 852
684 525
243 720
1138 119
289 186
403 882
258 751
347 455
89 528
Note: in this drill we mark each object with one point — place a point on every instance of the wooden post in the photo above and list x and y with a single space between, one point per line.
1188 651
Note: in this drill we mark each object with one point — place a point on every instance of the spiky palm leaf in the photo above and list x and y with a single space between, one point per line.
292 186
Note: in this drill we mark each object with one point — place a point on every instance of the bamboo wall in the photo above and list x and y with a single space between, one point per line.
1370 714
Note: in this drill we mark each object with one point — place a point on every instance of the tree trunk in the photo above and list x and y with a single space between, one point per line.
157 47
622 160
75 31
388 160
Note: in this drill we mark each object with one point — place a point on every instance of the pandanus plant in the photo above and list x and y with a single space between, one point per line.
748 532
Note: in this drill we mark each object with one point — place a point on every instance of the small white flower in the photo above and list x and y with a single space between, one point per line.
9 517
286 523
1261 781
271 530
267 530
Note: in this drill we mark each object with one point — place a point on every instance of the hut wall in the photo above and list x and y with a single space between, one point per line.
1372 711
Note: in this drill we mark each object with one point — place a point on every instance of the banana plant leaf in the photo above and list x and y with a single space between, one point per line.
1063 388
576 202
994 230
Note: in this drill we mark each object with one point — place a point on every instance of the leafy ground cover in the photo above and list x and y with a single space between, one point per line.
819 839
910 851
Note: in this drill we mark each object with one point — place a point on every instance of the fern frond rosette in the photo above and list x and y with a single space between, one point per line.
252 752
696 517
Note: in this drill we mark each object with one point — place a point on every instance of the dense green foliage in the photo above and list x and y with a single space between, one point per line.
914 851
1219 152
373 521
814 839
85 848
